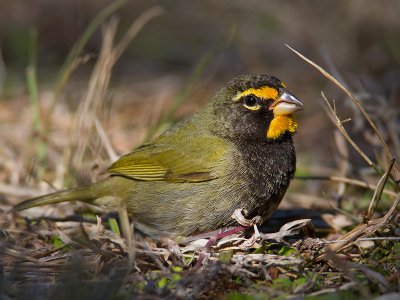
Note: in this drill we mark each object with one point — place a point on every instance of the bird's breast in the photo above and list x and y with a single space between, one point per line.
266 170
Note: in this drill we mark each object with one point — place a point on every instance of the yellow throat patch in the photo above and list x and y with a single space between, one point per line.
280 124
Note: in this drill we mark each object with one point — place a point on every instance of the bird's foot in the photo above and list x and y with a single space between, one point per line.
290 229
287 230
239 216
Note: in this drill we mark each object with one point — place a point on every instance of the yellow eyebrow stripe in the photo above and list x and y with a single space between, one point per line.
265 92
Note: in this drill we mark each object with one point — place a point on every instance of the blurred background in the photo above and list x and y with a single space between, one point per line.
175 63
84 82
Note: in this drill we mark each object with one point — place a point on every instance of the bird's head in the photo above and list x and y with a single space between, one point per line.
255 107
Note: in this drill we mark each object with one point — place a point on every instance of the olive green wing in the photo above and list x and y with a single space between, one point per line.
194 159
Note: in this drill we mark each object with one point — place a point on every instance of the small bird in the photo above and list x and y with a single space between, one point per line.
236 153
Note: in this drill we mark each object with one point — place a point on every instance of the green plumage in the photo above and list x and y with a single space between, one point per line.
191 178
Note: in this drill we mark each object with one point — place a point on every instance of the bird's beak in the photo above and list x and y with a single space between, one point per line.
286 104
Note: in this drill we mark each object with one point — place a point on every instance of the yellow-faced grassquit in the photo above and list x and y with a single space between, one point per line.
236 153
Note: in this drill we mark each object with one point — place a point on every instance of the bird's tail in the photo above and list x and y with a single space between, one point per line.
86 194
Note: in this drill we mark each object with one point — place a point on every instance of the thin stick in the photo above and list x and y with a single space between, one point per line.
127 232
348 181
112 155
365 230
352 97
339 125
378 192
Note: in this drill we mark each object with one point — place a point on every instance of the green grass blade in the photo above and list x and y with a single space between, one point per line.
33 90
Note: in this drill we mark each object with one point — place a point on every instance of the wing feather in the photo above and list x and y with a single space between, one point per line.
186 160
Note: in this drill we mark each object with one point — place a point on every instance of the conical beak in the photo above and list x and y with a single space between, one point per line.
286 104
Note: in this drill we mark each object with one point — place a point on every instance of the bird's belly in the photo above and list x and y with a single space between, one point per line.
182 209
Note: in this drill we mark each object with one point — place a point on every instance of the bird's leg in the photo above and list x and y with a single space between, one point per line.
224 232
238 215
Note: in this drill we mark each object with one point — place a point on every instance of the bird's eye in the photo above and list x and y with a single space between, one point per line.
251 102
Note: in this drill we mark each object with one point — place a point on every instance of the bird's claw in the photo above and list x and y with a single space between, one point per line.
239 216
